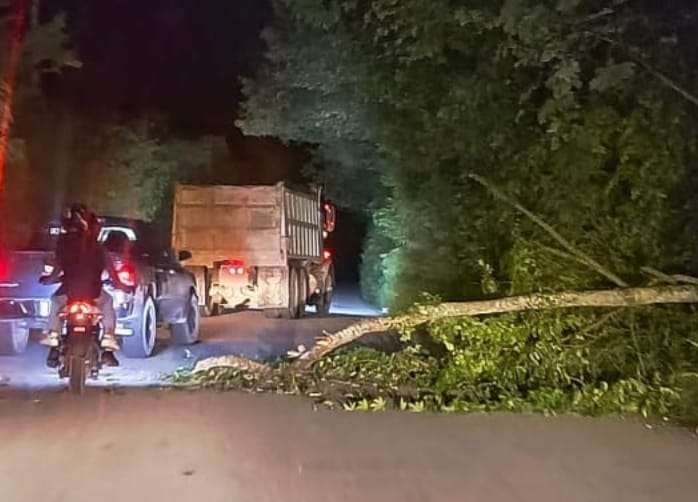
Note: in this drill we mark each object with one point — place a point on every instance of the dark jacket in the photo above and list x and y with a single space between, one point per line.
82 260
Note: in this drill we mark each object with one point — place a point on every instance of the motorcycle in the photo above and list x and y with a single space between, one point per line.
79 347
80 354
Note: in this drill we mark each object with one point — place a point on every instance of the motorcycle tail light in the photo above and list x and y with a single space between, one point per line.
80 308
81 313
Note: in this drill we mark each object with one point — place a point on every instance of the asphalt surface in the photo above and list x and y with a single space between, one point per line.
191 446
249 334
118 442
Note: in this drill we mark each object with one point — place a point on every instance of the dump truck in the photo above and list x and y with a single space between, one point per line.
256 247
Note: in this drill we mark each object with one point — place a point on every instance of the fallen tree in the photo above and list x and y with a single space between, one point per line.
625 351
620 298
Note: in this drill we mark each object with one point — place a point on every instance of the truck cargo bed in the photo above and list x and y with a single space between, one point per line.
263 225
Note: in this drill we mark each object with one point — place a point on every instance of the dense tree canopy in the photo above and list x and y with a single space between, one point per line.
515 147
580 111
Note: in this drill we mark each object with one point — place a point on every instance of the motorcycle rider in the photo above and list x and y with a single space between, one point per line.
82 261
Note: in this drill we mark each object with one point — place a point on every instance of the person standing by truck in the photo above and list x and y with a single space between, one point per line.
80 264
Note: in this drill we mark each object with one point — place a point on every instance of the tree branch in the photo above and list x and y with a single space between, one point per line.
631 53
605 298
685 279
665 278
583 257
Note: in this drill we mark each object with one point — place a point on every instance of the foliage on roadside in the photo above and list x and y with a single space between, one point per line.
558 103
582 111
569 361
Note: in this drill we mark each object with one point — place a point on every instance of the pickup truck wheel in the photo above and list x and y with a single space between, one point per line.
13 338
187 333
141 344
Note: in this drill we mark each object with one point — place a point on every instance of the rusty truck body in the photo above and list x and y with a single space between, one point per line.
256 247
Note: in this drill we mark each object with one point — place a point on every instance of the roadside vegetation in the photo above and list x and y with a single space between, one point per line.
516 152
499 149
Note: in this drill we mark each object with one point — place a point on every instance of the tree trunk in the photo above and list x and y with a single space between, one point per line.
605 298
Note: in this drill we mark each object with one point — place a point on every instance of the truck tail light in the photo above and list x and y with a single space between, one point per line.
330 217
327 254
234 267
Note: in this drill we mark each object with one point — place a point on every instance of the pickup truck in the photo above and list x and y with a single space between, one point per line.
158 289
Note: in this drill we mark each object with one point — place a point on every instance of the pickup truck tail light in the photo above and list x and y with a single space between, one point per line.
4 267
126 274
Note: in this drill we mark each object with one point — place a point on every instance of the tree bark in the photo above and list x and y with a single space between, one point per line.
630 297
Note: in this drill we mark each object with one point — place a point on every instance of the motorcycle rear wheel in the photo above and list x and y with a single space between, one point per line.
77 374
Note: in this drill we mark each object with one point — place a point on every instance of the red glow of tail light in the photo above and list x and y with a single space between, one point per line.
126 274
327 254
234 266
80 308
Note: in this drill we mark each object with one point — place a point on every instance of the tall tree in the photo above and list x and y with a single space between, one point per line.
568 108
307 91
31 51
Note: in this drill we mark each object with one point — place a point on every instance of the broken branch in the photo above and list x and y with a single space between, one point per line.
583 257
630 297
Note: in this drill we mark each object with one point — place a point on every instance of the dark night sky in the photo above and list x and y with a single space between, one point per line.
180 57
183 58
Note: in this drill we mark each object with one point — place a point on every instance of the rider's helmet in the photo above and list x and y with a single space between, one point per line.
79 218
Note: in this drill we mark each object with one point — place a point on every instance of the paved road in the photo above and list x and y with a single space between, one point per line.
151 444
133 445
249 334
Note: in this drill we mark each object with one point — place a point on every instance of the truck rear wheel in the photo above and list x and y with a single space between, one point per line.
13 338
324 301
302 292
290 312
293 294
142 342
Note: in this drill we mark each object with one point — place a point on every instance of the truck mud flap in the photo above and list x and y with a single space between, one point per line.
272 284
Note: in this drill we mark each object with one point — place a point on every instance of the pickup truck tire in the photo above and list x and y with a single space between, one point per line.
203 283
141 344
13 338
187 333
